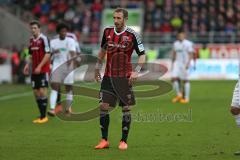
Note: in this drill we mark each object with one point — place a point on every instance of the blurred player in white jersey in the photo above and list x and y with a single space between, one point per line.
235 105
63 49
78 52
183 52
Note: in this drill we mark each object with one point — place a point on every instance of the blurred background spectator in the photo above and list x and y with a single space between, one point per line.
204 52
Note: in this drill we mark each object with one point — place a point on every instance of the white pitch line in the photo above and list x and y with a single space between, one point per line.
12 96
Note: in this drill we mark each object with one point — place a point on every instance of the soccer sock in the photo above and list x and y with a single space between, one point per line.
176 87
69 99
187 90
104 123
42 105
53 98
126 121
237 118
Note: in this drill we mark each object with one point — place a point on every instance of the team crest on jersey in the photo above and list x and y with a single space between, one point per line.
125 38
38 42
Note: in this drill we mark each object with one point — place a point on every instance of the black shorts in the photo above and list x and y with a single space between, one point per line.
39 80
116 89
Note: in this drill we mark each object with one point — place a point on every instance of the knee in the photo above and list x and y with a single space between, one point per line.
175 79
55 86
42 93
104 107
126 108
185 81
235 110
68 89
39 93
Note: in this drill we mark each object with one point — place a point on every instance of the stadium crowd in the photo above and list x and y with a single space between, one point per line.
160 15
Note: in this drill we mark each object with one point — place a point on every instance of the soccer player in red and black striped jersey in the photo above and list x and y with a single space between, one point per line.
118 43
39 50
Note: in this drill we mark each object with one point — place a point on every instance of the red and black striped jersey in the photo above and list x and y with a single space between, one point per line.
37 49
119 48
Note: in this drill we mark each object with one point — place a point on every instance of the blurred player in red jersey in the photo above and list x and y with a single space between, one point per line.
118 43
39 50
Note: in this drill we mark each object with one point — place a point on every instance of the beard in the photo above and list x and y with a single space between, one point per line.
118 26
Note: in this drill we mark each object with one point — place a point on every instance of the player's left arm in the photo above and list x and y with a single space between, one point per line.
46 57
72 53
139 48
189 59
191 55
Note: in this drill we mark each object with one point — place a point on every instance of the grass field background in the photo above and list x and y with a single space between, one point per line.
211 133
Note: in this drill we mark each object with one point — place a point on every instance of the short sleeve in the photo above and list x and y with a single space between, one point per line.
29 48
138 45
52 45
72 45
78 49
46 44
104 40
190 48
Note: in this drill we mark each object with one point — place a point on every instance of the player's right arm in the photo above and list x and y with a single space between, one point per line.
26 67
72 53
101 55
98 66
173 56
191 54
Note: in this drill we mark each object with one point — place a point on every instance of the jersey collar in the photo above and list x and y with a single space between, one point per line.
35 39
125 28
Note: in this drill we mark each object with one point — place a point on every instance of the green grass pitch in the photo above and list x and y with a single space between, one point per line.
207 132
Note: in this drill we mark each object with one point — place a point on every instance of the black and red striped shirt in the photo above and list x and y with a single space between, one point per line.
37 49
119 48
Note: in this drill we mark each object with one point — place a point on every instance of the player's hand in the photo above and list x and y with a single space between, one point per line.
133 78
37 70
98 77
26 69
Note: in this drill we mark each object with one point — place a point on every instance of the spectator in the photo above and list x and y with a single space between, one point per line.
204 52
69 15
15 61
45 7
166 27
229 28
37 10
176 22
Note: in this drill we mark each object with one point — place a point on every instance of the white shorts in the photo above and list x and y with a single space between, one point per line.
63 76
235 98
179 71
